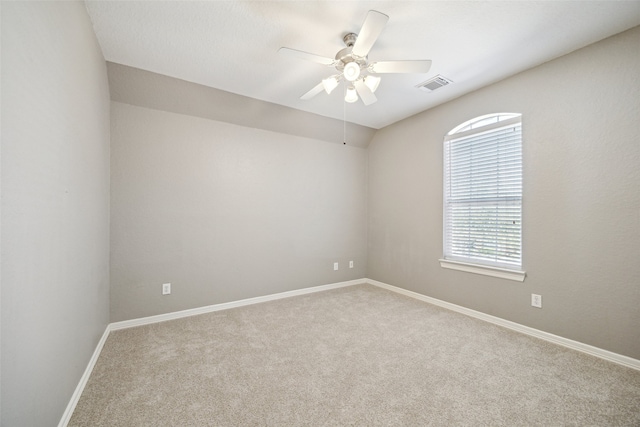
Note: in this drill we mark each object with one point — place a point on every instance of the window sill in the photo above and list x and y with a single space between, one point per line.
502 273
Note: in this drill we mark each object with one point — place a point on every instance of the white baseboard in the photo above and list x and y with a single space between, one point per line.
75 397
575 345
227 305
177 315
565 342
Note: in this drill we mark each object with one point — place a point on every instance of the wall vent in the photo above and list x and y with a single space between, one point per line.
434 83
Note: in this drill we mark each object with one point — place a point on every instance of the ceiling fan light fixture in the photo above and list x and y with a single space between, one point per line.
351 71
353 66
372 82
352 95
330 84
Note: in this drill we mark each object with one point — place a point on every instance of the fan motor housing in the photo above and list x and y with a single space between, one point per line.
345 56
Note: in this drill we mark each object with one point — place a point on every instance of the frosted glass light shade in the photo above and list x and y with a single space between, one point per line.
352 95
372 82
329 84
351 71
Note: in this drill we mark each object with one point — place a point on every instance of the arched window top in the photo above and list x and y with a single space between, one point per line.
482 121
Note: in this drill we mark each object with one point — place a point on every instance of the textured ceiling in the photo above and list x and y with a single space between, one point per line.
233 45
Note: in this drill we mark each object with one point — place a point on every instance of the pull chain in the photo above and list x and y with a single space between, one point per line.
344 118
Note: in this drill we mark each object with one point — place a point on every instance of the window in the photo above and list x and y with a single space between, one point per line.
483 197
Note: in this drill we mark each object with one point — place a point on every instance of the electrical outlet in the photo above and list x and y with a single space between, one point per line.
350 264
166 288
335 266
536 300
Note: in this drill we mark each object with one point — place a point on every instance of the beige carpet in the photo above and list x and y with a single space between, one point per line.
355 356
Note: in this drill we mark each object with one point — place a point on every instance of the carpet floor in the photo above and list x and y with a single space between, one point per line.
354 356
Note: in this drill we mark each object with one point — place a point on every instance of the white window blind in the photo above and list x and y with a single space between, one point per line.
483 194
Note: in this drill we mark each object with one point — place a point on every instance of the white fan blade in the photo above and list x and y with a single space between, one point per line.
365 93
313 92
401 66
373 25
306 55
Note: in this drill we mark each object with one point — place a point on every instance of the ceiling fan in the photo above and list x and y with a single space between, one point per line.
353 65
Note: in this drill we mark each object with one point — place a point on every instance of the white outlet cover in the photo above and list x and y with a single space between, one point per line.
350 264
335 265
536 300
166 288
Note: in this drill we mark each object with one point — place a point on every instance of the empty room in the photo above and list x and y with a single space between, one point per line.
320 213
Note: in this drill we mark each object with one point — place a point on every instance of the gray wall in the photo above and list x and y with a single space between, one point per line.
225 212
55 206
581 218
146 89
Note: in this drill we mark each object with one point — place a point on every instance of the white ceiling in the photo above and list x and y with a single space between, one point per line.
233 45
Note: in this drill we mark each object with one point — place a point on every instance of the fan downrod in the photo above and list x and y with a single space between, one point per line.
350 39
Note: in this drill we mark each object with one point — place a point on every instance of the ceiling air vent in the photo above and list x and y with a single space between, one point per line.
434 83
